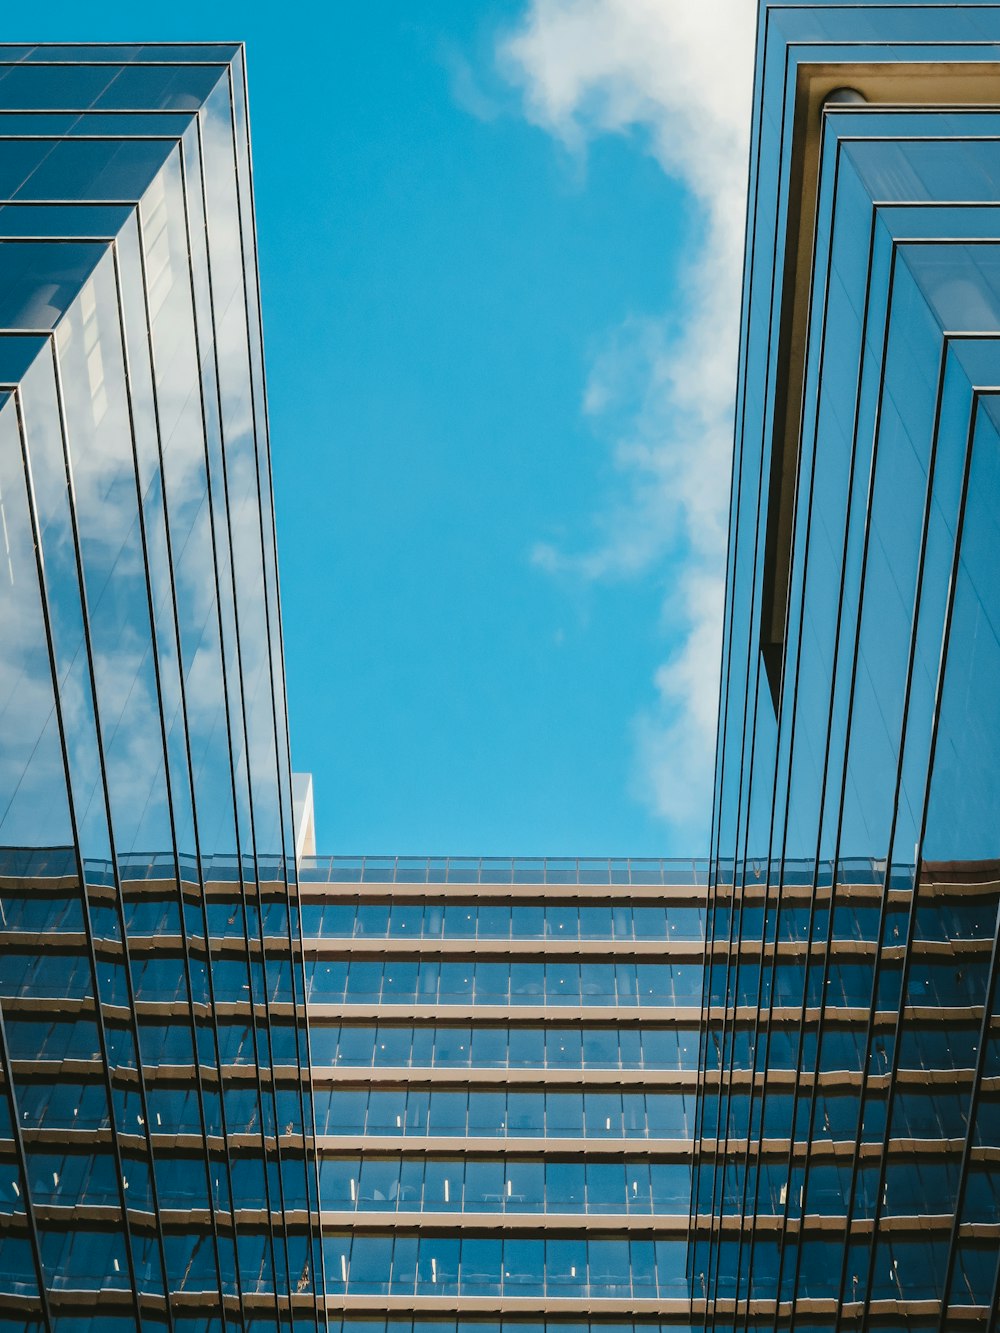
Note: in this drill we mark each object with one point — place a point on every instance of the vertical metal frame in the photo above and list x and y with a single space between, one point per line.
226 690
239 709
296 954
809 943
210 979
738 869
267 623
85 896
167 774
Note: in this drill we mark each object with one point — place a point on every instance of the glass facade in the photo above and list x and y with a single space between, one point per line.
487 1095
504 1083
155 1126
848 1123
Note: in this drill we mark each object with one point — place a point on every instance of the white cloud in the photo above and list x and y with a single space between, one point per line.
466 90
662 391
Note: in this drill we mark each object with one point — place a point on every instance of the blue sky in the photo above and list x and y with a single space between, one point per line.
480 253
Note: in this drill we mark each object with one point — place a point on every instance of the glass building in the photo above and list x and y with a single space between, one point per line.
155 1132
504 1062
848 1137
757 1092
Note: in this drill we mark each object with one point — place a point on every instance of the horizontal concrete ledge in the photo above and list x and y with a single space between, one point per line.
826 1306
55 884
714 1079
53 1007
292 1144
695 895
837 1016
632 1015
791 1015
24 941
756 892
916 1225
840 1150
668 1149
673 1224
198 1302
661 1080
846 948
397 947
144 1218
958 1316
427 1145
449 1306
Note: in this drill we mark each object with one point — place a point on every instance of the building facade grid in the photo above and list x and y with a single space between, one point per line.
847 1138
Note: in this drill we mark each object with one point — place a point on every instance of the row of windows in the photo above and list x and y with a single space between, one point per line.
926 1045
504 1114
904 1269
940 982
802 871
537 1047
514 1185
966 918
182 1181
80 1105
147 915
602 1267
162 1043
919 1111
499 870
160 977
263 871
915 1187
948 981
431 981
94 1259
939 919
501 921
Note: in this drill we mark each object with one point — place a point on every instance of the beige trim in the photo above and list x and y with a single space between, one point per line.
899 1309
597 951
820 1149
554 1015
791 1015
667 895
672 1080
675 1224
881 85
449 1306
329 1145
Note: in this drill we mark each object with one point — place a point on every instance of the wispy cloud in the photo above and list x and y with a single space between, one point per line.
467 90
662 390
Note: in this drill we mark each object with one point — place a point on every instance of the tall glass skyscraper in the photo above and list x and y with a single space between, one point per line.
155 1138
849 1119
